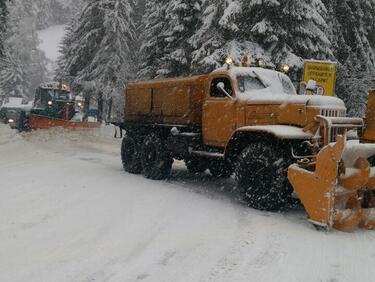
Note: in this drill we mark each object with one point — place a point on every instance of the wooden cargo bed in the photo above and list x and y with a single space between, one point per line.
172 101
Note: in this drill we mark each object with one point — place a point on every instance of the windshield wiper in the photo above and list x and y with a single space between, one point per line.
260 79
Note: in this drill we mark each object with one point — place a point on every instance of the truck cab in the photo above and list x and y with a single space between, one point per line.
53 100
256 99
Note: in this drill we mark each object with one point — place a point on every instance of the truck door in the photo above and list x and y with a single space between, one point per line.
218 114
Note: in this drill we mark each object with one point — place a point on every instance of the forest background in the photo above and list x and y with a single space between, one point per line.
111 42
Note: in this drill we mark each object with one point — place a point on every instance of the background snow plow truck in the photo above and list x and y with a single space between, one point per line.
53 106
250 121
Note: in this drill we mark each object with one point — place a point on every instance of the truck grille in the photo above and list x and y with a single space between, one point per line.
333 113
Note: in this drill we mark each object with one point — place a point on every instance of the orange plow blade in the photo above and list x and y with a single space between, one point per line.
40 122
335 196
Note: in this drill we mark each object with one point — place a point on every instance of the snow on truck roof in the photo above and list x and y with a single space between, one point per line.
54 86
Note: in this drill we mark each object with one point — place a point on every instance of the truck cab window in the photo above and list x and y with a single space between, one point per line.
217 93
249 83
288 86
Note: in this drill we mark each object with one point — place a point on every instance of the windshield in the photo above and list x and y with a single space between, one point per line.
43 96
248 83
287 84
58 94
263 81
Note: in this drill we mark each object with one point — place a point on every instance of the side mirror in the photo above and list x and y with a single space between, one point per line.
311 85
221 87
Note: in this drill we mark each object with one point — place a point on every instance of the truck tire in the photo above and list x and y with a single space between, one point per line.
220 168
196 164
156 159
130 155
261 174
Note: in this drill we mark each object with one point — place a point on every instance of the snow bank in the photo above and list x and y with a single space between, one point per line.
101 139
8 135
355 150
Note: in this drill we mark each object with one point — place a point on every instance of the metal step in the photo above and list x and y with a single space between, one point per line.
208 154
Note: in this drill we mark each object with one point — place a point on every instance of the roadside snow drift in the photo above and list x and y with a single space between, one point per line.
68 212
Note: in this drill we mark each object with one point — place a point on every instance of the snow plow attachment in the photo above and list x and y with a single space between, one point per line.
41 122
335 196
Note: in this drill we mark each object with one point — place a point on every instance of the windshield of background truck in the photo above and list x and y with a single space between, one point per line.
58 94
271 82
43 96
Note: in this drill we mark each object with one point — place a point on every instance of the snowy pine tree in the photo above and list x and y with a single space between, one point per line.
288 30
153 45
225 31
216 38
352 34
53 12
3 17
208 41
99 48
182 19
112 63
24 65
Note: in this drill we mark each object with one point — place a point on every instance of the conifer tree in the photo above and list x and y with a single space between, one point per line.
152 43
214 38
287 30
182 18
351 32
3 17
112 63
99 48
24 65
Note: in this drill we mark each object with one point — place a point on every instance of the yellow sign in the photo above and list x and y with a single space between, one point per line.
324 73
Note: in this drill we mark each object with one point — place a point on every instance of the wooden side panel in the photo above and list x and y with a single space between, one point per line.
176 101
172 101
138 102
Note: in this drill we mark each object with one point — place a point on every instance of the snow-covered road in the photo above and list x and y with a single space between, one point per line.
69 213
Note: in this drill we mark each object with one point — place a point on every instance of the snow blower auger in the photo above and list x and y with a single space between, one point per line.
333 195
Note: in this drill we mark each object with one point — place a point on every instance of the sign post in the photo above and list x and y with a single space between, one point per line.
324 73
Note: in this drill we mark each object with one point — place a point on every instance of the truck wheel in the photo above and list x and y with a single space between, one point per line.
261 175
220 168
156 159
130 156
196 165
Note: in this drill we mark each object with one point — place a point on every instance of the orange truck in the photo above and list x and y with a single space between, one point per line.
250 122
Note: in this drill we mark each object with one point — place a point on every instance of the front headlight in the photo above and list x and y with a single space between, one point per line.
10 120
